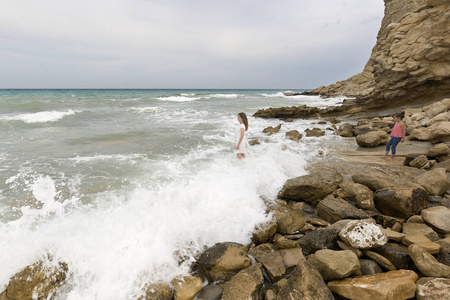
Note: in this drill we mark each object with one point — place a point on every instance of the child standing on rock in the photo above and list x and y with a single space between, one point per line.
241 141
398 134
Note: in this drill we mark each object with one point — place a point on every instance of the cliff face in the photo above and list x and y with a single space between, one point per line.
410 63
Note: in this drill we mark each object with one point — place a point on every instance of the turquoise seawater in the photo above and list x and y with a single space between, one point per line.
114 182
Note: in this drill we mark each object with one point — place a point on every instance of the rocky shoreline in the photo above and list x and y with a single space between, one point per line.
356 227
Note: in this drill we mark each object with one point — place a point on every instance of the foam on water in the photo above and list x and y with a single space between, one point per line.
178 98
41 117
114 249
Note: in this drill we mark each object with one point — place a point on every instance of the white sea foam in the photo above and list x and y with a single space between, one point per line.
178 98
41 117
228 96
152 109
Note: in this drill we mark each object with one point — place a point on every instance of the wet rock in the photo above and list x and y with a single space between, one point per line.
288 219
381 260
156 291
401 202
314 132
369 267
317 221
346 130
186 287
265 232
254 142
294 135
334 209
39 281
335 264
271 130
436 181
363 234
437 218
260 249
247 284
362 195
211 292
305 283
397 254
422 241
311 187
430 288
391 285
278 263
221 261
284 243
427 264
288 112
439 150
412 228
319 239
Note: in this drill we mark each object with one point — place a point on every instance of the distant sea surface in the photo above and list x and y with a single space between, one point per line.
120 184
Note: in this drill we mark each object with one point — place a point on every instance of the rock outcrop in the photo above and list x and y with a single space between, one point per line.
410 62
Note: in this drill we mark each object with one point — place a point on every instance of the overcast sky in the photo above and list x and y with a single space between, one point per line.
184 44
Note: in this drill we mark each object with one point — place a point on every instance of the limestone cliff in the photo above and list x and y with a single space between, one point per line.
410 63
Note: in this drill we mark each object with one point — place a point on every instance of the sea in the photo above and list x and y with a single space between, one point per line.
128 186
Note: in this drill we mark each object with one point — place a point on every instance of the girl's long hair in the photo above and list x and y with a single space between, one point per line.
244 119
400 115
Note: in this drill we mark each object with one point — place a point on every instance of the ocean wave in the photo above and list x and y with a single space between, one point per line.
224 95
117 157
41 117
178 98
146 109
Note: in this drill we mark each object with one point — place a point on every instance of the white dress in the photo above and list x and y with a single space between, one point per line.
244 140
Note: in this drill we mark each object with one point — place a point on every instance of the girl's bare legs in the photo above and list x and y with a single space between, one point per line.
239 155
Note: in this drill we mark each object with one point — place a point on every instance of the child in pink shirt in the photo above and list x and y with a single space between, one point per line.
398 134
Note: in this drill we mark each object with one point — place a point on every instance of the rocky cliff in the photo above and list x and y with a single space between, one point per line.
410 63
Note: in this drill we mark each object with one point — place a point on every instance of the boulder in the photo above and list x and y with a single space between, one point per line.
427 264
401 202
442 117
363 234
314 132
434 109
369 267
211 292
279 263
361 194
381 260
260 249
319 239
421 134
346 130
413 228
372 139
439 150
284 243
334 209
334 265
288 219
393 235
39 281
435 181
221 261
440 132
271 130
430 288
305 283
294 135
186 287
363 128
373 180
311 187
444 165
302 111
437 218
420 162
411 156
385 286
156 291
422 241
247 284
265 232
416 219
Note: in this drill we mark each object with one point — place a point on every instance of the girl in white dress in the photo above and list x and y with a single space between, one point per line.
241 141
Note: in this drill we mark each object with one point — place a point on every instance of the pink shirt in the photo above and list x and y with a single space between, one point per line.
397 131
